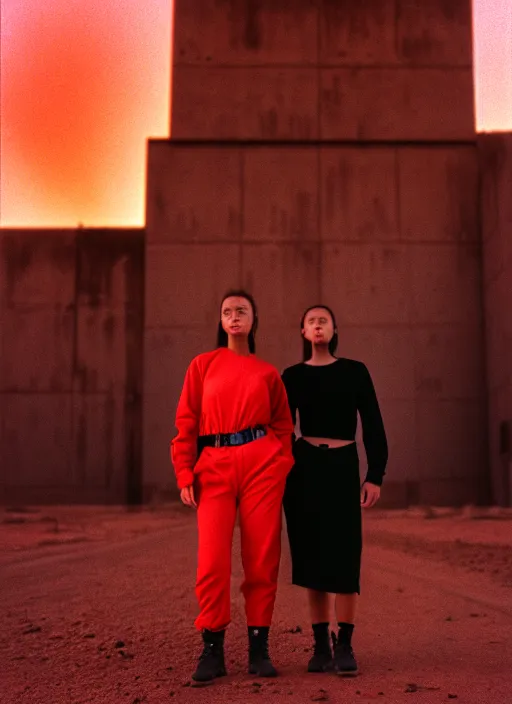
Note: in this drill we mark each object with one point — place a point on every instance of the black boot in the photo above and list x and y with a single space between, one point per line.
211 662
344 661
259 659
322 653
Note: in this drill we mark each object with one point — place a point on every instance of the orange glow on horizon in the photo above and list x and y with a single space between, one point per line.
84 84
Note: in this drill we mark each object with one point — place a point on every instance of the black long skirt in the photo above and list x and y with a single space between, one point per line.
323 517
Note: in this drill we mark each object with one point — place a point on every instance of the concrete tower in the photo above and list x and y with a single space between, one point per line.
324 150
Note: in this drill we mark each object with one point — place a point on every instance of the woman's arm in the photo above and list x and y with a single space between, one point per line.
292 403
374 435
281 418
188 415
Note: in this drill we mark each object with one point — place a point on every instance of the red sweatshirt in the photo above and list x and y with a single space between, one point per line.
225 392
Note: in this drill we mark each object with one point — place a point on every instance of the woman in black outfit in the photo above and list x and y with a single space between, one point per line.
323 496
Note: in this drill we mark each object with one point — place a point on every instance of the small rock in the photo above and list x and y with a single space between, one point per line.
448 618
171 694
32 629
320 697
413 687
474 615
125 656
90 635
169 668
452 696
257 684
119 644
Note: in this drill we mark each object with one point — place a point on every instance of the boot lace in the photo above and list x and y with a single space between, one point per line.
261 650
322 646
259 647
340 647
208 651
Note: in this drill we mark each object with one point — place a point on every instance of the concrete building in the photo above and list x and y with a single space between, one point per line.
320 151
326 151
71 315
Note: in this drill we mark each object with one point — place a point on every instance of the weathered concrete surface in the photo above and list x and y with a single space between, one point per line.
131 638
338 209
386 235
496 173
373 70
71 306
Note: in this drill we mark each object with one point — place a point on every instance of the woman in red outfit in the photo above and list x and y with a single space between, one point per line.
233 450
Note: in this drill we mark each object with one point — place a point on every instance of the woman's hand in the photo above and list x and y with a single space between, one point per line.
187 496
370 494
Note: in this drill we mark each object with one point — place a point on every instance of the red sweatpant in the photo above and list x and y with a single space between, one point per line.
253 477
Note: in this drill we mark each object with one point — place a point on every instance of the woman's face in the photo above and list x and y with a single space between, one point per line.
318 326
236 316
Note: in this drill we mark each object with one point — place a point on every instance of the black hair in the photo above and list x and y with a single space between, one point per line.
307 347
222 336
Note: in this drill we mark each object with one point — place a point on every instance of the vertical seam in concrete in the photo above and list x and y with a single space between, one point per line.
397 194
319 234
3 480
319 15
487 475
320 240
172 10
74 362
397 18
242 154
414 476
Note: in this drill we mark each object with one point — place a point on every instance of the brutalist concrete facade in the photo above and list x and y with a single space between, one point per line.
71 321
496 178
325 150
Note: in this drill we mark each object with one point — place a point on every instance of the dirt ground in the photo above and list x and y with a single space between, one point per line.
97 605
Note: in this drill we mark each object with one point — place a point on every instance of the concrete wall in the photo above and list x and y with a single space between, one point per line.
325 151
71 317
323 69
388 236
496 173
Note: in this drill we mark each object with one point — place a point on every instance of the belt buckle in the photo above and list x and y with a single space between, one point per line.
217 440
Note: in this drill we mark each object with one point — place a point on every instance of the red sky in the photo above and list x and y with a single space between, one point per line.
84 83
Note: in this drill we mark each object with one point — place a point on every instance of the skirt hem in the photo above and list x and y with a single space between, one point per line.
317 587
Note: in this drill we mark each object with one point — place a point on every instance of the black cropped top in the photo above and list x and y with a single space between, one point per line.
328 399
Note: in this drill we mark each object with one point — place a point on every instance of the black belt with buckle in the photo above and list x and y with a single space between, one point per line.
231 439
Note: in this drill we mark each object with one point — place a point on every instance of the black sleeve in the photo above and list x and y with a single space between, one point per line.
374 435
290 392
